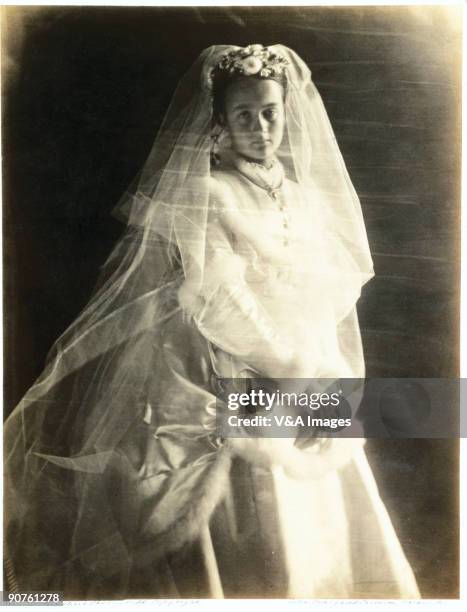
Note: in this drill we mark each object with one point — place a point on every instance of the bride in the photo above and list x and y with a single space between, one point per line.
244 256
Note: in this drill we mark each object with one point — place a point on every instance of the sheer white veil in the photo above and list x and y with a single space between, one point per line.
172 193
100 372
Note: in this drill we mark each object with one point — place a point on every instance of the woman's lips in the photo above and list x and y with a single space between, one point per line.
261 143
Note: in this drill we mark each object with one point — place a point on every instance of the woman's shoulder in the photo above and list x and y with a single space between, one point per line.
222 189
291 184
223 177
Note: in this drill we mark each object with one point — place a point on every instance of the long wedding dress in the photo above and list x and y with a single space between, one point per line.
271 534
117 484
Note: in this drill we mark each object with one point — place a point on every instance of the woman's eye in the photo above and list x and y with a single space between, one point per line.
270 114
244 116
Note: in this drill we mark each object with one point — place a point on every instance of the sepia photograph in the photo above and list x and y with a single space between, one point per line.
200 199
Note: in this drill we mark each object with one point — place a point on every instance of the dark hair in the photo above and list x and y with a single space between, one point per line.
222 80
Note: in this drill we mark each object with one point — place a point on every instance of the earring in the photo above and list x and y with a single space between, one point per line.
220 142
215 153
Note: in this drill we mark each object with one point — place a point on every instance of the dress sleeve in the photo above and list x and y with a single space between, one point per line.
227 312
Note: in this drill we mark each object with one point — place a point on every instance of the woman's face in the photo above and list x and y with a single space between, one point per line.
254 117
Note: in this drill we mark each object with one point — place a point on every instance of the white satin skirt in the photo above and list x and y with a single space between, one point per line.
323 538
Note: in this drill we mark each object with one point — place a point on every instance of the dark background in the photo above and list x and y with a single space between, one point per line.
84 92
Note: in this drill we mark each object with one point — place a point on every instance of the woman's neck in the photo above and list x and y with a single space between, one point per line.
266 163
269 179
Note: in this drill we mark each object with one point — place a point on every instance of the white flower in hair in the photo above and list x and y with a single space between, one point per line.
252 65
250 61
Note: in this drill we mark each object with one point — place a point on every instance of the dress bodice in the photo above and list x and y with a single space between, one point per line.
273 230
266 288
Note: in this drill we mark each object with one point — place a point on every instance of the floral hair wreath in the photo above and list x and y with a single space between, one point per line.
253 60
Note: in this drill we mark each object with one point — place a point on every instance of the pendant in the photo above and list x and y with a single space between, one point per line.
274 193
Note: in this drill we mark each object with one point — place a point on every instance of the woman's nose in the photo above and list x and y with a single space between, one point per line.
260 124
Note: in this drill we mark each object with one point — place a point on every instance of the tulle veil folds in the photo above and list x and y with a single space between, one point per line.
122 367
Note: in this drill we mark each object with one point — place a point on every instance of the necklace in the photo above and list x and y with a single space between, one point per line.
270 179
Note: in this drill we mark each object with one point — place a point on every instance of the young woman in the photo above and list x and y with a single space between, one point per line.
244 257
